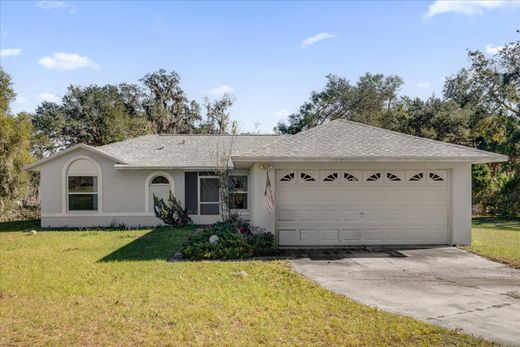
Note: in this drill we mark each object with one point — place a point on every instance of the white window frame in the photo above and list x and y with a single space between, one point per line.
246 192
199 177
65 187
69 193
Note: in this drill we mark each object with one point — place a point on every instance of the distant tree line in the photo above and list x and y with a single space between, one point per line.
98 115
479 107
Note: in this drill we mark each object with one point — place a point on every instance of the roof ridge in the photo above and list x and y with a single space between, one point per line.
414 136
217 135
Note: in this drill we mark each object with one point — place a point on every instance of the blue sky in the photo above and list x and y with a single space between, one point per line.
270 55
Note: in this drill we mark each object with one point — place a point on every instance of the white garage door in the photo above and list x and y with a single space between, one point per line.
338 207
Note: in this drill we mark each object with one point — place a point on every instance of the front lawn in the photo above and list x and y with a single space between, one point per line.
114 287
497 240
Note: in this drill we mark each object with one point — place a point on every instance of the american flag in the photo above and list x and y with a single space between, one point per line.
269 195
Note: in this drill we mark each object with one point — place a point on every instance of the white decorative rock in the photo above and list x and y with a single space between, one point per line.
241 274
213 239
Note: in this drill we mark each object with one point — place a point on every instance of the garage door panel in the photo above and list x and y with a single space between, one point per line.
308 235
350 234
329 235
358 212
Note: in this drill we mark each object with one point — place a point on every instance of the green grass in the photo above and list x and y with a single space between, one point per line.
114 287
497 240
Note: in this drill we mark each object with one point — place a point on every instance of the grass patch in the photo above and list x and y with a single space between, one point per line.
497 239
116 288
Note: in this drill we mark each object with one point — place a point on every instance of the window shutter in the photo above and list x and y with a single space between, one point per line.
191 192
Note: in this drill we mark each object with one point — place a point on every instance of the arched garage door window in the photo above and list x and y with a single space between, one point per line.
160 184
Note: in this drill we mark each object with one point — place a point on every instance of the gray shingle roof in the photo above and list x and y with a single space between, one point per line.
338 140
187 151
344 140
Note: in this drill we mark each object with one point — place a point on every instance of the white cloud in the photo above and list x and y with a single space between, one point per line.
56 5
20 100
10 52
67 62
282 113
50 97
221 90
423 85
490 49
466 7
316 38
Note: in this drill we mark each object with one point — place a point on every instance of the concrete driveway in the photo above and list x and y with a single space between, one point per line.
443 286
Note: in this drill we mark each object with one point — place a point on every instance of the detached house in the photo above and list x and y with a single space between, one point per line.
341 183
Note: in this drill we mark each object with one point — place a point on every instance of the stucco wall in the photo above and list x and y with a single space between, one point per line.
124 198
122 194
459 220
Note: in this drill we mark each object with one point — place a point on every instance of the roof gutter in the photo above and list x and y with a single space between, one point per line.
474 160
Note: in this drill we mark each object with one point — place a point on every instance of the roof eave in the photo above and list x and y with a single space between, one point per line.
164 167
473 160
36 165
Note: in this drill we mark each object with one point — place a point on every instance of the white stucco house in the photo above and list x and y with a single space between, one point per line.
341 183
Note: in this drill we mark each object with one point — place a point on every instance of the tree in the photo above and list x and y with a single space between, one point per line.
217 116
7 94
166 107
367 102
92 115
436 119
15 145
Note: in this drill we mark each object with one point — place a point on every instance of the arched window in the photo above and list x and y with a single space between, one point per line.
82 183
159 180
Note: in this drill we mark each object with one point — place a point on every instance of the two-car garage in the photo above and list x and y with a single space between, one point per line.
348 207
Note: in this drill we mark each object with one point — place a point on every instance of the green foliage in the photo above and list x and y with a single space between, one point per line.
92 115
236 240
171 212
367 102
7 94
15 146
99 115
230 245
508 197
166 106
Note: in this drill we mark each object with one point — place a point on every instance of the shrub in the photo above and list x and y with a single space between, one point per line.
230 245
262 243
236 240
171 213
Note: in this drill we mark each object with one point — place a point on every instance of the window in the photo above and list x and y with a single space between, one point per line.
306 177
331 178
82 193
287 178
374 177
238 192
159 180
392 177
436 178
209 200
349 177
417 177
